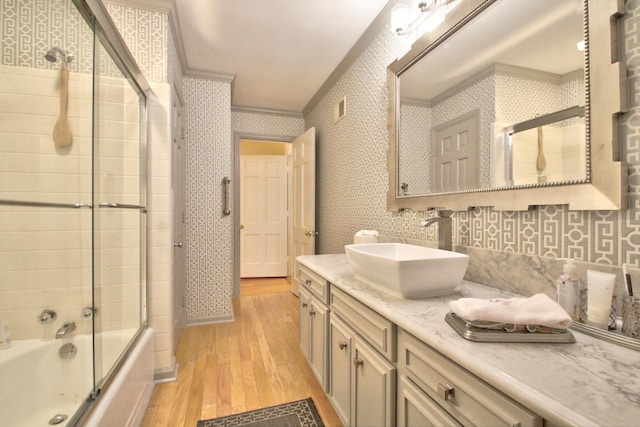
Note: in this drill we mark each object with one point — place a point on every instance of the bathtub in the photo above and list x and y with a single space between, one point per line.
36 384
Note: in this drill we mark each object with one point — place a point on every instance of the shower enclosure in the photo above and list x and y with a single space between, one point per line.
72 210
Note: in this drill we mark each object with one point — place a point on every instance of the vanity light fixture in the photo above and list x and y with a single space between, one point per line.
399 18
424 15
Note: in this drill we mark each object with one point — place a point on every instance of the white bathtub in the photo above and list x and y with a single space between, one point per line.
36 384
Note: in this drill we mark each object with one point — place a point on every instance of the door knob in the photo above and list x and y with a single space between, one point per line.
177 245
241 226
310 233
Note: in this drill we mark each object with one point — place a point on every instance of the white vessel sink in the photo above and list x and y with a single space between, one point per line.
407 271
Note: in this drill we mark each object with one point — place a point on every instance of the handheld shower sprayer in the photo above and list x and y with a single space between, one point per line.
56 54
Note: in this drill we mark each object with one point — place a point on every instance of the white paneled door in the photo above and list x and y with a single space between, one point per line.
303 199
263 216
456 148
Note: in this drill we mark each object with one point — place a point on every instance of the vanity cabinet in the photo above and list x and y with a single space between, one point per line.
362 381
314 322
432 384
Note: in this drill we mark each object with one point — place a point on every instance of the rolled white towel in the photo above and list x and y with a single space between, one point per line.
536 310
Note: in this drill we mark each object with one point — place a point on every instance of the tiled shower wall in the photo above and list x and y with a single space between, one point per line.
28 29
47 253
353 176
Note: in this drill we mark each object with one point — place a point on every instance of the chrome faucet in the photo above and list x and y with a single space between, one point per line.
444 228
66 328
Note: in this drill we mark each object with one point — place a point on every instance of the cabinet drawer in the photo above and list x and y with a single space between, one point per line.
316 284
463 395
374 328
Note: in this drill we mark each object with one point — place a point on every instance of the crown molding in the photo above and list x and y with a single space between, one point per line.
176 33
253 110
163 6
208 75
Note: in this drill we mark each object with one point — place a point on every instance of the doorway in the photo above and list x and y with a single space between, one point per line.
302 235
264 206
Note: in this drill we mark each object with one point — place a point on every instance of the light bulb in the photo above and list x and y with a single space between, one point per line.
399 18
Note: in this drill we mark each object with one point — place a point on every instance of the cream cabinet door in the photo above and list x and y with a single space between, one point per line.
374 384
340 363
319 320
303 321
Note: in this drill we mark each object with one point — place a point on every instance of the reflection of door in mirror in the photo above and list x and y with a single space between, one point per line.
512 62
455 162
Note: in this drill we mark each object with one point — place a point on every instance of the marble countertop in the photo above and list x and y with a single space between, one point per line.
589 382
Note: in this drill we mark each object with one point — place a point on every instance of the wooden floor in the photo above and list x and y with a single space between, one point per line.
264 286
251 363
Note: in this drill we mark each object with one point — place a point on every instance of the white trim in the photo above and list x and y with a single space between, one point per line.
208 75
252 110
163 6
176 33
209 320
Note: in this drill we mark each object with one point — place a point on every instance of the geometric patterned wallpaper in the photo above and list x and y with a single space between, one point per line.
144 32
28 29
210 125
266 124
209 234
352 174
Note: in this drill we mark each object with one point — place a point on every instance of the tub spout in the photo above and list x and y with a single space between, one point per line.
66 328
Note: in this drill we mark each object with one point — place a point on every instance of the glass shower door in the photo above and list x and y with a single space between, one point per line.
120 214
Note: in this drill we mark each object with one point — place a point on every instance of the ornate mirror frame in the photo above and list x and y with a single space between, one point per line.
606 90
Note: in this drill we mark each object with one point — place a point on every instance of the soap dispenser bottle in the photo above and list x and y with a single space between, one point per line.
569 288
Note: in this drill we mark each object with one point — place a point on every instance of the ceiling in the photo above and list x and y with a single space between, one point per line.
279 52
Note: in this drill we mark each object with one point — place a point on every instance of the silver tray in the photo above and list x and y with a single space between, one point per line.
480 334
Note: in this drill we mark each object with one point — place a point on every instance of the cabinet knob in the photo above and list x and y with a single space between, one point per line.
304 305
446 392
307 282
312 313
358 362
342 345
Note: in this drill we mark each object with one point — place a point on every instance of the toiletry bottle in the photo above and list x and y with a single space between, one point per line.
569 289
5 336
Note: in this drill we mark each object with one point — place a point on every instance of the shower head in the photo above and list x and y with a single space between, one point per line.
55 54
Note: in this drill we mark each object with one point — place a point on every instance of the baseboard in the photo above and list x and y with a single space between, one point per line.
209 320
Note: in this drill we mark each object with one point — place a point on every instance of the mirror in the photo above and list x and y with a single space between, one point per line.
498 107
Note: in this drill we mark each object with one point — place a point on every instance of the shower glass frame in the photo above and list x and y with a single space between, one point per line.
55 223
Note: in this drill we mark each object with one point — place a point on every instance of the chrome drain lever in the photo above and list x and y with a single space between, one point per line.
57 419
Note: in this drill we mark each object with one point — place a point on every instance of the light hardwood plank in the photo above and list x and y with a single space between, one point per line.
251 363
262 286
